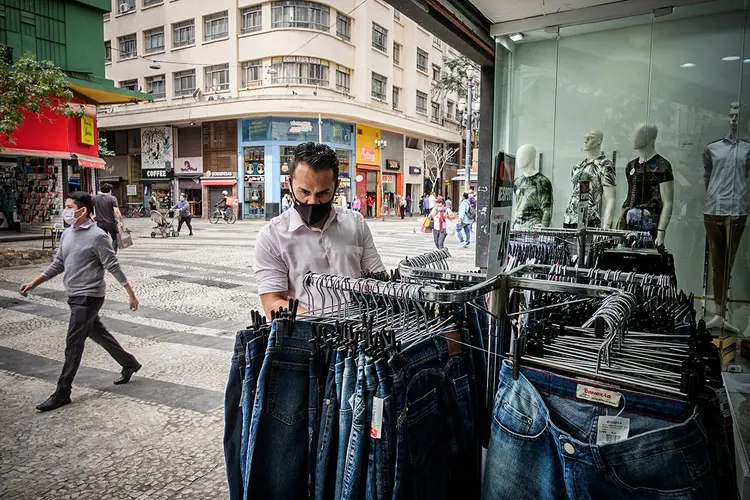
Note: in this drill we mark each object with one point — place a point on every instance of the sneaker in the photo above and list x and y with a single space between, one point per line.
54 402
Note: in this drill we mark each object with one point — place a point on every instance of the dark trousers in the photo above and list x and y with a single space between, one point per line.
402 211
439 238
186 220
724 235
85 322
9 220
369 211
110 229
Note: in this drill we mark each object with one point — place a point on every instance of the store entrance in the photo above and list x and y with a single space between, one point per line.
193 197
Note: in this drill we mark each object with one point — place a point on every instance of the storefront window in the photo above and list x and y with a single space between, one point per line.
656 121
295 129
255 171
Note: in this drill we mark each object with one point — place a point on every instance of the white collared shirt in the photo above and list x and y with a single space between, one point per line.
286 249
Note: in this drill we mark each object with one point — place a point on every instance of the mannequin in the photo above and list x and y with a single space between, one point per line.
533 192
650 199
726 207
599 171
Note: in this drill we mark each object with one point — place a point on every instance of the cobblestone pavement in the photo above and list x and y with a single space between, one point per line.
160 436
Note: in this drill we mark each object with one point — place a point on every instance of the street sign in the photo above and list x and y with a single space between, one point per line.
501 212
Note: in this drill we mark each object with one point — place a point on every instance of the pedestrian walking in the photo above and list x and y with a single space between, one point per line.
402 208
8 205
409 206
357 204
153 203
84 254
369 205
185 216
440 216
107 213
466 216
449 204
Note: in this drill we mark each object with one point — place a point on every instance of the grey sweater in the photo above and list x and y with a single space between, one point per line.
83 255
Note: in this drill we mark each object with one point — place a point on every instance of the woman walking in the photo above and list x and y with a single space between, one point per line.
185 215
440 216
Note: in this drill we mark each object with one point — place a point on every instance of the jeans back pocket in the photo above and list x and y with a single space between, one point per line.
422 426
288 391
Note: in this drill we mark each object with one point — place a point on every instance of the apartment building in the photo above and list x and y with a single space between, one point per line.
236 84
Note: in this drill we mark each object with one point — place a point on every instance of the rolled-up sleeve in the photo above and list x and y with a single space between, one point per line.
370 257
271 273
108 258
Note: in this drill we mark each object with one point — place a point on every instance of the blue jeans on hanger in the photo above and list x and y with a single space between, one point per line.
551 433
348 384
277 465
328 435
254 353
382 449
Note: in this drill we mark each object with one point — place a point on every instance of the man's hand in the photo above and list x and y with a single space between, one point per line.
660 238
133 302
26 288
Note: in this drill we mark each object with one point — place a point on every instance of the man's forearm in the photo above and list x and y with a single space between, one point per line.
42 278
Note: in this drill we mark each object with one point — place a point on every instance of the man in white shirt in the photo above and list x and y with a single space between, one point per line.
315 236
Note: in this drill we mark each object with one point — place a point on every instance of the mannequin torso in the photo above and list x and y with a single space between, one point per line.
533 192
599 171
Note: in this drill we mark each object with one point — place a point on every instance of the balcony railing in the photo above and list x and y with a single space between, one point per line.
299 80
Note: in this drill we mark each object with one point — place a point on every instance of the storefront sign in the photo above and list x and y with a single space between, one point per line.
500 216
254 178
223 175
366 155
284 168
298 127
88 134
132 190
192 165
393 165
156 173
415 170
254 168
367 138
359 178
386 178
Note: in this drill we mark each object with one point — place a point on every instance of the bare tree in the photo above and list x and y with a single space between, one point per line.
434 159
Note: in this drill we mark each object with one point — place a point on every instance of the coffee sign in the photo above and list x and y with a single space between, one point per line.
156 173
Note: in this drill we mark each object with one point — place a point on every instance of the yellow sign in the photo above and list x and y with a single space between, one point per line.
87 131
367 152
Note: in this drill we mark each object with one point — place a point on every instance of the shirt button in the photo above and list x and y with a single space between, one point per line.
569 448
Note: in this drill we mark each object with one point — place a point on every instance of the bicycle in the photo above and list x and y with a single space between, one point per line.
228 216
138 211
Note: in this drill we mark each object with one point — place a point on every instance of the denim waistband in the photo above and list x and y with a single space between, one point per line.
241 340
293 336
673 436
434 347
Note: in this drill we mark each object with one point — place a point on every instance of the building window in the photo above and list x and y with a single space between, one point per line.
396 53
437 43
435 117
129 85
124 6
379 86
449 109
396 97
154 39
286 155
156 86
396 15
436 72
183 33
343 26
299 14
422 60
149 3
107 51
216 78
379 37
128 46
300 71
343 76
184 83
252 73
421 102
216 26
252 19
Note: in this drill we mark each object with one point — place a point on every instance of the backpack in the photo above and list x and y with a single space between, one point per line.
471 213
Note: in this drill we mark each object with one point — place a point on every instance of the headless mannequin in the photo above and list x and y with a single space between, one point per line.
724 219
592 144
599 172
644 139
533 192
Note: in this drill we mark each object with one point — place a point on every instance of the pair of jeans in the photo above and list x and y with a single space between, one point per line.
439 237
464 229
277 450
234 443
255 351
436 452
543 445
85 323
328 436
382 449
348 387
111 230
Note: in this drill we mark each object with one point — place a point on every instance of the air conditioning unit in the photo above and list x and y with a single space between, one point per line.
124 7
223 98
211 98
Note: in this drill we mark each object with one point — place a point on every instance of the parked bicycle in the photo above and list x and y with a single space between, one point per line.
219 214
138 211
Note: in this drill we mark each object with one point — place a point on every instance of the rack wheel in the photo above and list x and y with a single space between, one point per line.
153 235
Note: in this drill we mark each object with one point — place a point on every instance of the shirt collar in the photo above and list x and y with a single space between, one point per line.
295 221
85 225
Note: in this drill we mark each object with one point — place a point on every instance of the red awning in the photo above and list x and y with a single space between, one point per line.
90 161
218 182
362 166
83 160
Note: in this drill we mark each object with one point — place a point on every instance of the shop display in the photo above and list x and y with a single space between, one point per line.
648 205
533 192
726 163
36 186
599 172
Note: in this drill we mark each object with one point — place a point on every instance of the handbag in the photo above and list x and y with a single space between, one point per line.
124 240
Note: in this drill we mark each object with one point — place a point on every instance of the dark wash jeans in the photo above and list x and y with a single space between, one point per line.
436 452
328 435
380 461
254 354
277 465
543 445
346 411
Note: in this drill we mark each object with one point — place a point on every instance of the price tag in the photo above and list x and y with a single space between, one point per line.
612 429
376 429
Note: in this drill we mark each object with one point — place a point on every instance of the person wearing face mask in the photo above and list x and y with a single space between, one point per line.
185 215
315 236
85 252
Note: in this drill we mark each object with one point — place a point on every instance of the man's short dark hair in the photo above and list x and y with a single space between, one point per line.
466 196
318 157
106 187
82 199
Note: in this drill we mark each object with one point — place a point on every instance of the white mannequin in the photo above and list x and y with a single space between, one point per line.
533 196
526 159
592 144
644 138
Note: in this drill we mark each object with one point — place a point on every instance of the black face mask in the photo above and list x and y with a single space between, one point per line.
312 213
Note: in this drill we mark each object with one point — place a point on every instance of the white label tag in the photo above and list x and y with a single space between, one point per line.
351 400
612 429
598 395
377 418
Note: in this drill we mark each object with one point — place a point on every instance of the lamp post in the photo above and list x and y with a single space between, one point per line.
381 144
470 111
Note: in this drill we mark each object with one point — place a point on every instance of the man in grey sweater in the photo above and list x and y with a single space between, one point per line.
85 252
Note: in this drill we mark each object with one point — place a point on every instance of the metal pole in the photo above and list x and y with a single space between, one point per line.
467 158
320 128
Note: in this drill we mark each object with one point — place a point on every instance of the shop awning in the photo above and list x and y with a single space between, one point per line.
109 179
83 160
101 91
472 177
188 175
154 181
219 182
362 166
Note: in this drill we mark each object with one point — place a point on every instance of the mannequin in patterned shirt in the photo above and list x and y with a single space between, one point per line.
533 192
